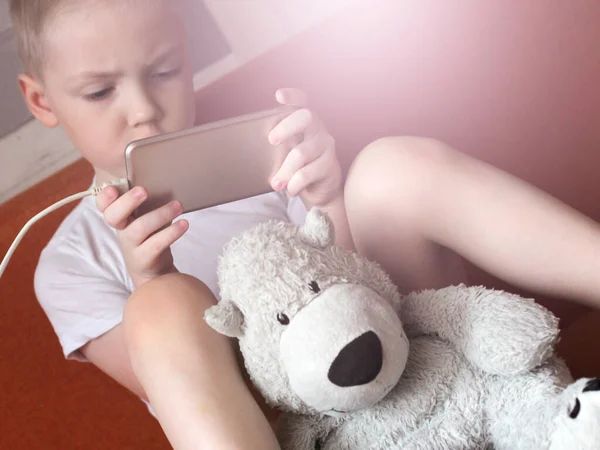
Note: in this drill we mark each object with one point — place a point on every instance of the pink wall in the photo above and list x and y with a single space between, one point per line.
516 83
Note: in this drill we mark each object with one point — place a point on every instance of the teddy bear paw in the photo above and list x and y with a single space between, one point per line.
578 422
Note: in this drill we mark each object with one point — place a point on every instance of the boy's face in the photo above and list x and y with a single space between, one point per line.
117 71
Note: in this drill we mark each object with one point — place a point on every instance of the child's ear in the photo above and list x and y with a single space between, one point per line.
36 100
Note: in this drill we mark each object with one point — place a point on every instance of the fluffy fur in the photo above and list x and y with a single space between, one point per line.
327 338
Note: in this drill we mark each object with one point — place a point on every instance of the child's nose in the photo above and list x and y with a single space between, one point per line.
142 109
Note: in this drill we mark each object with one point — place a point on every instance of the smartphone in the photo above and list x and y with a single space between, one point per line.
208 165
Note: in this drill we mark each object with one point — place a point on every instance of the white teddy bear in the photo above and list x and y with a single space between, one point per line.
327 338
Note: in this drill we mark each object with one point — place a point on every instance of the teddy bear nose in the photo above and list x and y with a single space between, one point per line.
359 362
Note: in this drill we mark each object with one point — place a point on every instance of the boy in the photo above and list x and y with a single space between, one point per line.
132 302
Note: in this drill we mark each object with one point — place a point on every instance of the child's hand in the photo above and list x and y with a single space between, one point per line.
147 255
311 169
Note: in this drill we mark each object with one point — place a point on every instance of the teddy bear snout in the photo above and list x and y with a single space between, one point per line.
359 362
345 350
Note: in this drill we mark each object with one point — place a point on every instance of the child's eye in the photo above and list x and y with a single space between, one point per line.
166 73
99 95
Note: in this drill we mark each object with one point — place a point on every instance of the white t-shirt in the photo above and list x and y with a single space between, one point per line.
81 281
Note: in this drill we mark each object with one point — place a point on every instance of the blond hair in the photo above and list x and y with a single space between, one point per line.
29 18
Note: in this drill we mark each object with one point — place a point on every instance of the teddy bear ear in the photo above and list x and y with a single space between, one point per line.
318 229
226 318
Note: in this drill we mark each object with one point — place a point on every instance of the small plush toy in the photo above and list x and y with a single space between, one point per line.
327 338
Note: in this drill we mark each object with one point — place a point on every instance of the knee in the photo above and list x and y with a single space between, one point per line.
166 301
398 168
398 158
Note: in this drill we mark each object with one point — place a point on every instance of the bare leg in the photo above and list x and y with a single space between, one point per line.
384 193
188 371
409 198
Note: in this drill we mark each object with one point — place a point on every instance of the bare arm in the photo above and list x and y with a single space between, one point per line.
311 169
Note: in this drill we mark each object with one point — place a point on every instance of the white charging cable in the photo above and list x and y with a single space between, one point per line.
93 191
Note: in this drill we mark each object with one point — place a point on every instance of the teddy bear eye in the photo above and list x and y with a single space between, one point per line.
575 411
314 286
283 319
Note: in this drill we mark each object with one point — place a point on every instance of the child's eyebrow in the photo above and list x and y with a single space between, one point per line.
81 79
166 55
92 75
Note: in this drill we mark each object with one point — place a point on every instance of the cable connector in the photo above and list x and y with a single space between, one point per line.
121 184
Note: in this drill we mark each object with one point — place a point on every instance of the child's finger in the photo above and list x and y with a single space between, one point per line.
155 245
291 96
139 230
105 198
317 171
297 158
118 212
296 123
